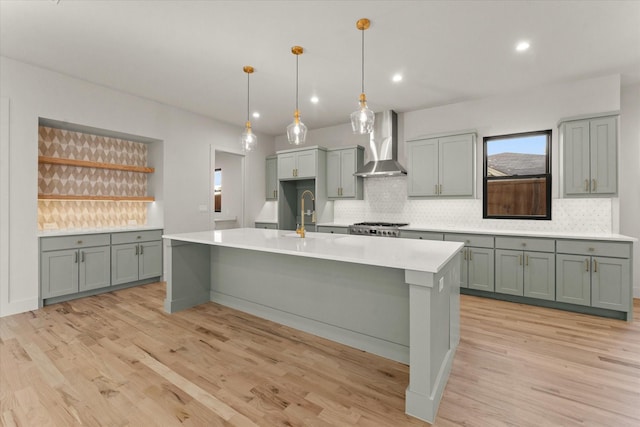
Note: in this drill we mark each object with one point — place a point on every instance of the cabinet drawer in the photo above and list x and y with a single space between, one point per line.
73 242
478 241
332 229
136 236
525 244
268 225
422 235
589 247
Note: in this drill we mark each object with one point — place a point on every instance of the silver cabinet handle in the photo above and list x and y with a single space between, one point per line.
75 258
586 265
141 249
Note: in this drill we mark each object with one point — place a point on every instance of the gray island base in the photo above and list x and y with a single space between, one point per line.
396 298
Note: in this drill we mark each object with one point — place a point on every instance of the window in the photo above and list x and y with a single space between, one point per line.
217 190
517 176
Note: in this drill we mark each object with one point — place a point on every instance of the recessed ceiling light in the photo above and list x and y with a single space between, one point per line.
522 46
256 115
397 78
315 99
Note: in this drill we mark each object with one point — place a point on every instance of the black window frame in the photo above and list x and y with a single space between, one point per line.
547 175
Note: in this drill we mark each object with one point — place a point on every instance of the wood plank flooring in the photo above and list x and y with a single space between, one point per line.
118 360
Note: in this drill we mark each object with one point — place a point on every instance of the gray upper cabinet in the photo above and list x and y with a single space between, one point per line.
341 165
590 157
271 178
441 167
297 164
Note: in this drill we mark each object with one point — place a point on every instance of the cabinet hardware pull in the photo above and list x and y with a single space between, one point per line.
82 256
592 249
75 259
586 265
464 253
436 190
139 237
594 185
136 249
526 257
470 255
519 259
141 249
440 189
586 185
79 242
595 266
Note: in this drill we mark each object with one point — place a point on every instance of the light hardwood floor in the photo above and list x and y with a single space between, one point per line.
119 360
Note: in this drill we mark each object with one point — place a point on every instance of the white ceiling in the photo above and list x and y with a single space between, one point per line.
190 54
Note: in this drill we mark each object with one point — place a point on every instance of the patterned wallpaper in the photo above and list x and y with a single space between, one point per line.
62 179
385 199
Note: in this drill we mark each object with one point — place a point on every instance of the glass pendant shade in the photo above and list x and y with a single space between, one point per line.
248 139
296 131
363 118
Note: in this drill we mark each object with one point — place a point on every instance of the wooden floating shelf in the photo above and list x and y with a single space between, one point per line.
66 197
98 165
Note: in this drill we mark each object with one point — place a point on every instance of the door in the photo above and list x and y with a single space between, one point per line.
333 174
59 273
124 263
150 260
95 268
481 269
603 155
271 177
306 164
540 275
456 165
610 283
573 279
509 272
347 169
576 157
422 165
286 165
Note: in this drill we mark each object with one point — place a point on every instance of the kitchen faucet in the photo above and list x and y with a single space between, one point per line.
300 230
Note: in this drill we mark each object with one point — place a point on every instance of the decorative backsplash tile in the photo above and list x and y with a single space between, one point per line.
73 180
385 199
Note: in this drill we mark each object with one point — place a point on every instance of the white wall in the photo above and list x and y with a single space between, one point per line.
35 92
630 172
232 183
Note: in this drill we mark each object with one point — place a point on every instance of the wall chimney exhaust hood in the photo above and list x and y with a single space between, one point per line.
383 148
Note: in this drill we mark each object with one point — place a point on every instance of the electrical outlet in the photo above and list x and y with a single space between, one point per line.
441 284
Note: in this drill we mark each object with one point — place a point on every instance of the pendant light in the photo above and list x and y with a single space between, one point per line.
248 139
296 131
362 119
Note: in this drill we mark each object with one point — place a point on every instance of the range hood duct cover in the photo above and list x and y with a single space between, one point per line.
383 148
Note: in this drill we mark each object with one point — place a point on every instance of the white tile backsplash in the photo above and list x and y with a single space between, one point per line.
385 199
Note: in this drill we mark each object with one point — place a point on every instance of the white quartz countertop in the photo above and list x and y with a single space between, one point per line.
75 232
524 233
420 255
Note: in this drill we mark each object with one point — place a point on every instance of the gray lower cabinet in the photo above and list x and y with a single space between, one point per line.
268 225
477 269
135 261
333 229
421 235
73 264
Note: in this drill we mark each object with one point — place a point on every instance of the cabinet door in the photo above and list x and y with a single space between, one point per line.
95 268
59 273
456 165
124 263
422 168
150 260
509 272
604 163
464 268
540 275
481 269
306 164
333 174
271 177
573 279
576 157
286 165
347 169
610 283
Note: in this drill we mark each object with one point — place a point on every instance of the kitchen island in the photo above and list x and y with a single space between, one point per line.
396 298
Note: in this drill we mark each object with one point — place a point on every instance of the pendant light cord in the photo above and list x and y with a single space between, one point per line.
297 56
247 96
362 61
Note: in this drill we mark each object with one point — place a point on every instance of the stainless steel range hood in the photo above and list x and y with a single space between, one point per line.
383 148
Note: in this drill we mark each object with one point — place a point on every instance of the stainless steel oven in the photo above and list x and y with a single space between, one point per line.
379 229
